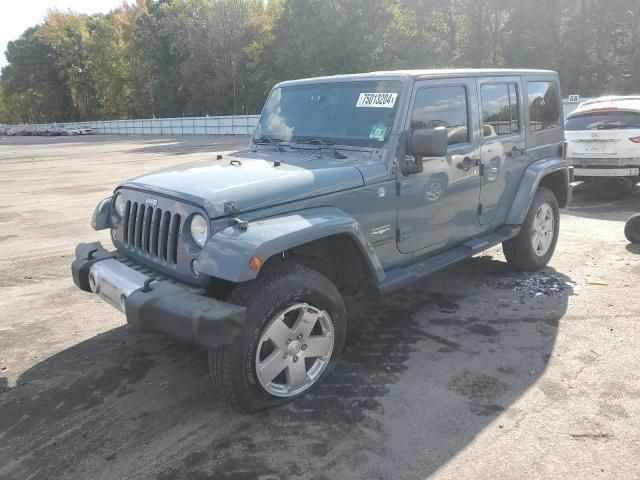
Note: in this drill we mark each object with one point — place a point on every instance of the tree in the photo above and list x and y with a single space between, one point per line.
69 36
326 37
218 57
33 89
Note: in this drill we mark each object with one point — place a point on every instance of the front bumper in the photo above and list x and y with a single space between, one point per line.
156 306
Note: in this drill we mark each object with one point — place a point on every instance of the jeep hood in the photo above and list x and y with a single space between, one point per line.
251 180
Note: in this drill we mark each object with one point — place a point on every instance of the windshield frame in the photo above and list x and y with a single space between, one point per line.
355 144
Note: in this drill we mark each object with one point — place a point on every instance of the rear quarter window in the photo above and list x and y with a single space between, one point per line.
544 105
602 120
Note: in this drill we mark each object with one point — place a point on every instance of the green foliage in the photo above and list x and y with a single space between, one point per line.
218 57
32 86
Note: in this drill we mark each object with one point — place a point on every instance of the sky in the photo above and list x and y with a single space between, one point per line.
18 15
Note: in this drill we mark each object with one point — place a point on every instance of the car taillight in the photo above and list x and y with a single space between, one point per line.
635 139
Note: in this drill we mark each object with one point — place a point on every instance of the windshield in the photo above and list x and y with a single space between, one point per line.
347 113
612 120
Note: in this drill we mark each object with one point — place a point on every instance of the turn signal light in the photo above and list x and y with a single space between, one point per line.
255 263
635 139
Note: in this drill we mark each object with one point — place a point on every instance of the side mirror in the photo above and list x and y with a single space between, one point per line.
425 142
429 142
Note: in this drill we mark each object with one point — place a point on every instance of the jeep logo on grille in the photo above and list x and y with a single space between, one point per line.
152 202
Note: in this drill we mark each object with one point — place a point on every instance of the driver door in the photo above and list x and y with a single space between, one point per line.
439 206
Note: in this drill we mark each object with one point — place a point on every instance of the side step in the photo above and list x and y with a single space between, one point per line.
401 277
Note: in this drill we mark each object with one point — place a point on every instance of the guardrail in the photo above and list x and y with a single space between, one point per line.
224 125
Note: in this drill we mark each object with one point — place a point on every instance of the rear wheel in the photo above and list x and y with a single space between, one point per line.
632 229
534 246
295 330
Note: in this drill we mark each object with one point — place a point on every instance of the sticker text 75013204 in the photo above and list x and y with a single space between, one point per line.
377 100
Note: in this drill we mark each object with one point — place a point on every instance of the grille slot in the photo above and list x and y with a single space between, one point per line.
152 232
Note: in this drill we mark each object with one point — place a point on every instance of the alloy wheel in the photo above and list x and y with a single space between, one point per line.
543 230
294 350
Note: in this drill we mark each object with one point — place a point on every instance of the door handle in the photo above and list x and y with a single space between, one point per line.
467 163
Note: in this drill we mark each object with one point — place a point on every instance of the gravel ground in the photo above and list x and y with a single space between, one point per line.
475 373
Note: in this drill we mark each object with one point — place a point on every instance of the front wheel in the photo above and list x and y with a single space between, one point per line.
294 333
534 246
632 229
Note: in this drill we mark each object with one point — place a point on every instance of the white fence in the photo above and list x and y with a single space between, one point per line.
227 125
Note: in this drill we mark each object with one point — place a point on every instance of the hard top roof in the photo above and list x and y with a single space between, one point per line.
423 74
612 102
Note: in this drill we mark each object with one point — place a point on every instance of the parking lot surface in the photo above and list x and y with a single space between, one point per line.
475 373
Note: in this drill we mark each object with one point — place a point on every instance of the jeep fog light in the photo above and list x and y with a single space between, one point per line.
199 229
119 204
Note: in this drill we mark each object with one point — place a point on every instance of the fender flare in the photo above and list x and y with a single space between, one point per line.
533 176
227 254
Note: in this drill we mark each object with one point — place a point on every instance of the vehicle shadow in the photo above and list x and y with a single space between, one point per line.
588 203
423 372
633 248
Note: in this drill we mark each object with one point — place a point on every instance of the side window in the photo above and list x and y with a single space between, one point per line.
500 110
442 106
544 105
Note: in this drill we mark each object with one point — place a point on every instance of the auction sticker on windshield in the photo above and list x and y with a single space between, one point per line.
378 132
377 100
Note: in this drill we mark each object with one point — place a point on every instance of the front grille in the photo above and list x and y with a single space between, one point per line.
151 232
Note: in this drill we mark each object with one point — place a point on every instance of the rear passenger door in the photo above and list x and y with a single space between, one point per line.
503 149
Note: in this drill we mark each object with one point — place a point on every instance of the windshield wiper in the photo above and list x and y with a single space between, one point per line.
329 145
278 143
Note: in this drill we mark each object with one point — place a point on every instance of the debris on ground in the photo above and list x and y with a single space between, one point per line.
595 281
538 284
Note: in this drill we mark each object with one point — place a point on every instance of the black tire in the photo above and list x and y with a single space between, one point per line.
232 367
632 229
519 251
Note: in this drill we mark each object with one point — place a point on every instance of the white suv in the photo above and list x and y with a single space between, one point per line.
603 142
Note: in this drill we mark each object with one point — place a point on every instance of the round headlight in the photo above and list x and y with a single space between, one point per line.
199 229
119 204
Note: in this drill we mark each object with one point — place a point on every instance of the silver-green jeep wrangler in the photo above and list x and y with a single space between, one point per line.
349 182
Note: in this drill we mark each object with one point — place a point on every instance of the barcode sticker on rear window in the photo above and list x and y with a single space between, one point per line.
377 100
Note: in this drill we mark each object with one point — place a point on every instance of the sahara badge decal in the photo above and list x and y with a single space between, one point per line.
381 230
381 235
